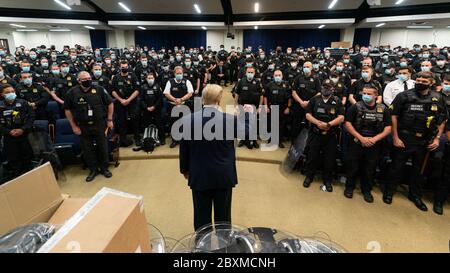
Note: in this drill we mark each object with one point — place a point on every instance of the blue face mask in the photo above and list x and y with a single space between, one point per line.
306 70
26 69
278 79
10 96
425 69
65 70
2 74
315 66
55 72
179 77
250 76
446 88
150 82
367 98
249 65
365 75
402 77
28 81
97 73
346 61
387 72
144 63
403 64
339 69
44 65
2 53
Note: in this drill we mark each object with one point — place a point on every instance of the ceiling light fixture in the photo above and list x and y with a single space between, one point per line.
143 28
127 9
197 8
256 7
420 27
399 2
16 25
62 4
89 27
26 30
204 28
321 26
255 27
332 4
380 25
60 30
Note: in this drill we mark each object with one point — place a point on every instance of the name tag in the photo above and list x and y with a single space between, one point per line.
275 92
370 116
35 90
120 83
150 92
416 107
245 88
321 110
7 112
302 85
69 84
90 113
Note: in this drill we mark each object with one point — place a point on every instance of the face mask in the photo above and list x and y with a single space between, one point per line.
425 56
150 82
384 65
446 88
44 65
335 80
441 63
365 75
221 48
166 68
2 53
28 81
271 67
365 54
124 70
326 92
171 60
387 72
188 64
425 69
403 64
2 74
86 84
196 63
33 57
417 49
248 65
278 79
422 87
400 54
160 56
113 57
144 63
97 73
73 58
315 66
346 61
97 53
322 62
250 76
178 58
65 70
294 65
262 57
10 62
385 58
10 96
306 70
403 77
154 57
327 55
339 69
367 98
179 77
26 69
289 52
55 72
108 62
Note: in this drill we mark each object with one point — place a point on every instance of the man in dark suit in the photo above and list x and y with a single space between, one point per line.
220 73
209 163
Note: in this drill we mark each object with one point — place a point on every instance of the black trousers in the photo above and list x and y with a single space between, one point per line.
364 159
19 153
416 151
204 202
327 146
282 122
122 112
297 117
94 156
443 184
155 119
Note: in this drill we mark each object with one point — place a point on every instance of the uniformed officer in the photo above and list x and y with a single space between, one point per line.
34 94
304 88
389 75
267 76
418 117
249 91
16 120
5 79
369 124
42 71
437 84
292 71
355 91
340 90
192 74
165 75
143 68
278 93
442 68
325 113
151 103
99 79
87 108
60 83
178 91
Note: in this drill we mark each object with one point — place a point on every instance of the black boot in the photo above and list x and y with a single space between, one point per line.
255 144
368 197
91 175
438 208
106 173
249 144
138 140
328 186
418 202
241 143
307 182
125 142
348 193
173 144
387 198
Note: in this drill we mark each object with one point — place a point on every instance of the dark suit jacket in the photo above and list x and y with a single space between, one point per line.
211 164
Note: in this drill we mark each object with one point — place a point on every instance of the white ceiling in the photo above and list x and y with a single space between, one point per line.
41 4
440 20
162 6
391 3
270 6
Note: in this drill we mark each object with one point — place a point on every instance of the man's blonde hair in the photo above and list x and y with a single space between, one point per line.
212 94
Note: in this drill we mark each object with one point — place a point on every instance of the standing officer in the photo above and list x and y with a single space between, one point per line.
125 89
61 82
325 113
86 108
292 71
99 79
151 103
304 88
355 91
249 91
278 93
403 83
177 91
368 123
34 94
418 117
16 120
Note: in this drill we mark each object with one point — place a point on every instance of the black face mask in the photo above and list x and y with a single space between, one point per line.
422 87
124 70
326 92
86 84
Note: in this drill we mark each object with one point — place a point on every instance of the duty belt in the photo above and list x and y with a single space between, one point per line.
416 134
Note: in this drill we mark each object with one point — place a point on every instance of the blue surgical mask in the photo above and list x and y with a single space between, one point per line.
28 81
446 88
315 66
179 77
144 63
278 79
387 72
2 74
97 73
2 53
384 65
150 82
250 76
403 64
249 65
365 75
425 69
188 64
65 70
178 58
33 57
306 70
339 69
44 65
426 56
322 62
367 98
346 61
403 78
271 67
55 72
10 96
26 69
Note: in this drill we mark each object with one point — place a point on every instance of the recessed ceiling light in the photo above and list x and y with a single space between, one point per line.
16 25
255 27
418 27
89 27
204 28
60 30
399 2
197 8
62 4
127 9
26 30
380 25
321 26
332 4
256 7
143 28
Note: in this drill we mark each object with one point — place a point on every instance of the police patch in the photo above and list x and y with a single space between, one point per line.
434 108
380 109
34 90
434 99
333 111
94 91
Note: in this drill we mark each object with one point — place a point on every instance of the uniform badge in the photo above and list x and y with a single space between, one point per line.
69 84
94 91
434 99
379 109
391 107
434 108
69 78
81 99
333 111
284 85
34 90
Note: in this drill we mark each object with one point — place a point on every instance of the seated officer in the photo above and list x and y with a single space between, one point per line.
16 120
368 123
325 113
34 94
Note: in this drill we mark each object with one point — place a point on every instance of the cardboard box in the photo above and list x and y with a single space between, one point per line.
111 221
341 45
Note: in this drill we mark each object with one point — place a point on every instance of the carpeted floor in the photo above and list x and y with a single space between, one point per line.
266 198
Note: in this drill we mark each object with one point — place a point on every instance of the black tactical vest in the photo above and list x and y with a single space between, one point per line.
250 92
178 90
369 122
